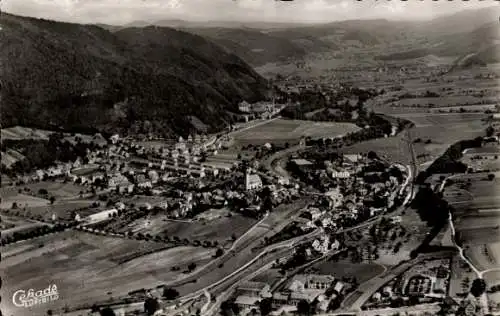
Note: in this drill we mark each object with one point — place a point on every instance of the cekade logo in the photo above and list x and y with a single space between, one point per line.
22 298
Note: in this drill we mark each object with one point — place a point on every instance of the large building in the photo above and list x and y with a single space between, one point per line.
101 216
252 182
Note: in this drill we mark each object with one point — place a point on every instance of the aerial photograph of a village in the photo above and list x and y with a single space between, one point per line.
249 157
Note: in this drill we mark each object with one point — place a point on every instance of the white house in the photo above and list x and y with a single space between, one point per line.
115 138
101 216
244 106
252 181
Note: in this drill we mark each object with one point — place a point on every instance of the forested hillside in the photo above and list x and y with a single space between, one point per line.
80 77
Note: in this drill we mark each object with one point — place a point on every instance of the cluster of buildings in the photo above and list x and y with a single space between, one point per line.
310 288
354 188
263 110
425 283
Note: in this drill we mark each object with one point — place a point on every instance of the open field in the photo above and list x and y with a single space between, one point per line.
88 268
11 225
219 229
443 101
269 276
345 268
291 131
392 148
448 121
19 132
10 157
62 210
23 200
225 159
54 188
476 217
442 130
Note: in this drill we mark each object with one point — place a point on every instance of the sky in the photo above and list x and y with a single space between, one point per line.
120 12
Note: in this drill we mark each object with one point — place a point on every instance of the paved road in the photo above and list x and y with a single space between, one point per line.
242 251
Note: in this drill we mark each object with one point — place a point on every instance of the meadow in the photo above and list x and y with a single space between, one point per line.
477 217
346 269
202 230
87 268
282 131
19 132
431 136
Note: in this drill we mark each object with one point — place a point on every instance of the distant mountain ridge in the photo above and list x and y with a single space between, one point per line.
133 80
258 43
258 47
483 39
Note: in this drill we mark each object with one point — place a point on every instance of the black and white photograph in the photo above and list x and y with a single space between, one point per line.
250 158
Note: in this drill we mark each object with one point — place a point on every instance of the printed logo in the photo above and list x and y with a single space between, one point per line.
22 298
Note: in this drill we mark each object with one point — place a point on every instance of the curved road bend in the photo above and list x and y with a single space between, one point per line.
241 252
267 256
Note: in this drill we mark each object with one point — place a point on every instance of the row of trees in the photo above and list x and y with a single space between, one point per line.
449 161
33 233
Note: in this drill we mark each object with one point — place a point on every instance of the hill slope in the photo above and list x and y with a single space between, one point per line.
258 47
150 79
484 38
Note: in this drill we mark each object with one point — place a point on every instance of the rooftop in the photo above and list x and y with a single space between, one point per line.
246 300
302 162
252 285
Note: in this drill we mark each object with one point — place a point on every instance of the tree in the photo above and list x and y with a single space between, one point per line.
219 252
50 313
478 287
43 192
265 306
52 200
94 308
170 293
491 176
151 305
107 311
303 307
490 131
372 155
191 266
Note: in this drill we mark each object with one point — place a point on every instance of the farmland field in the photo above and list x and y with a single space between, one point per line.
62 210
345 268
477 218
439 102
448 120
117 266
23 200
18 133
215 229
436 133
291 131
54 188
